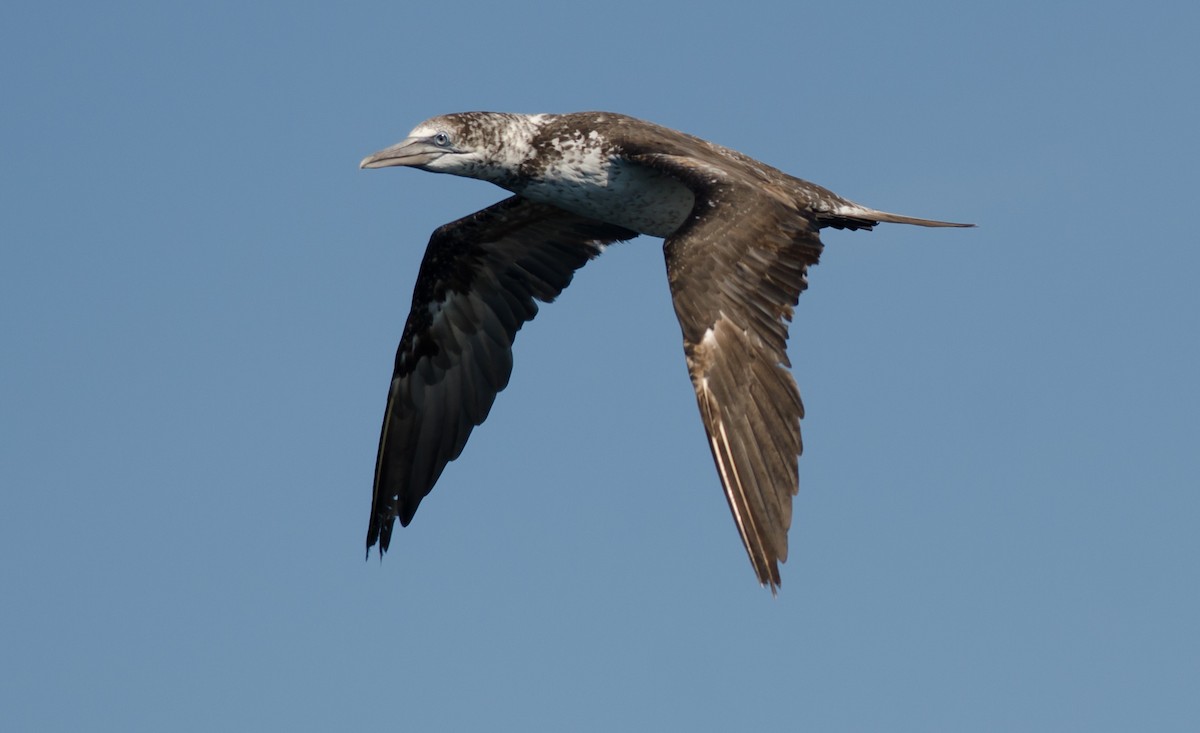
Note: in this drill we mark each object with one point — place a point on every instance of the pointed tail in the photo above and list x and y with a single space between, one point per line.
853 216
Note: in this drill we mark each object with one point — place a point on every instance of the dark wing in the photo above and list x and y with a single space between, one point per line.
736 269
477 286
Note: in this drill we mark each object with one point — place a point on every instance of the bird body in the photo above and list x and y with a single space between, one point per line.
740 236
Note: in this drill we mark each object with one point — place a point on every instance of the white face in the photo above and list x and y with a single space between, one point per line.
484 145
440 141
427 147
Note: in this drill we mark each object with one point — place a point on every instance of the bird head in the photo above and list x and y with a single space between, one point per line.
486 145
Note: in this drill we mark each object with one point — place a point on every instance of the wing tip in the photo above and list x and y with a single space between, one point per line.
771 580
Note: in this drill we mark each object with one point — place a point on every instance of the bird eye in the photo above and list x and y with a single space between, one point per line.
441 139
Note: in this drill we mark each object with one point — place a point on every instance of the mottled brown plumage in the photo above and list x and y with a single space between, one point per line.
740 237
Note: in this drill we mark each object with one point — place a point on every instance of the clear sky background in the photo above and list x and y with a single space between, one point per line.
201 295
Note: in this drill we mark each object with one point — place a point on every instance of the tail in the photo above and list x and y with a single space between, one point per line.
853 216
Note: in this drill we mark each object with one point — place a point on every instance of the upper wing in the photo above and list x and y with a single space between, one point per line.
476 288
736 269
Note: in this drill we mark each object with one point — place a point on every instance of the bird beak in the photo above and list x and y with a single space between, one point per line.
413 151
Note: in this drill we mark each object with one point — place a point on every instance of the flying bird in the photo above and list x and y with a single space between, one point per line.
740 237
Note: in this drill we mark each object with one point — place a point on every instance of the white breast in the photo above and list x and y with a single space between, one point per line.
584 182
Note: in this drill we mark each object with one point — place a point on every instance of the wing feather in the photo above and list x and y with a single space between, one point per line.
480 281
736 269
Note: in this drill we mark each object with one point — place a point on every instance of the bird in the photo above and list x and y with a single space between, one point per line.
739 238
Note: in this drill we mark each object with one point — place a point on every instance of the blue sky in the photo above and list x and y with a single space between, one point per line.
201 294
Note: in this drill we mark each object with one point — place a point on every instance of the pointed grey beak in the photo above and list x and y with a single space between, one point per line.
413 151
